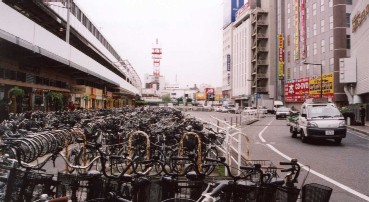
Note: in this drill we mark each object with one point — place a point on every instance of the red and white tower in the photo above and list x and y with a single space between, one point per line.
156 56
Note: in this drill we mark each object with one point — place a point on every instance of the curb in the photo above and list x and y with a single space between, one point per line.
358 130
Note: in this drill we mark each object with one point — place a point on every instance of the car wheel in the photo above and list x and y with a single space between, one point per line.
293 132
338 140
276 117
303 137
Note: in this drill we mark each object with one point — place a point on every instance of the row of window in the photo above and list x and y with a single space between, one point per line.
94 31
30 78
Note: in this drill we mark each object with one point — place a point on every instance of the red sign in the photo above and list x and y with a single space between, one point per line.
209 91
303 29
210 94
296 90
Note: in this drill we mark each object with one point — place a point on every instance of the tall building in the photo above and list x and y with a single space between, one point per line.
230 9
249 53
314 35
354 71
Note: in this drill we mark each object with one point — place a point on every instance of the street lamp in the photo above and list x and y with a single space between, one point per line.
321 76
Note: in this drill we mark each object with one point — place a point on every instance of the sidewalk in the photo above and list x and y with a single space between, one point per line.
361 129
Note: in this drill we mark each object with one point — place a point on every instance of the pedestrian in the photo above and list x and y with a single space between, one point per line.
362 115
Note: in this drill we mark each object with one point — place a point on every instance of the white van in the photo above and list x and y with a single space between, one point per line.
276 105
320 119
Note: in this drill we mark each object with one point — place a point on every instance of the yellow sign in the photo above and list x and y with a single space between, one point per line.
327 84
200 96
297 30
281 57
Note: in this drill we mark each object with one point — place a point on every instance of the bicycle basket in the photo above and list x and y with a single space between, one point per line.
267 166
184 190
314 192
285 194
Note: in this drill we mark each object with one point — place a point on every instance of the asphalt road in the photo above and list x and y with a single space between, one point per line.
343 167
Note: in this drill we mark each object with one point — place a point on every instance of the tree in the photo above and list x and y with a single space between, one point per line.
55 100
189 100
18 93
166 98
180 100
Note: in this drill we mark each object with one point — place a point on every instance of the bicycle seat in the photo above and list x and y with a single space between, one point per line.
80 140
194 176
277 181
23 131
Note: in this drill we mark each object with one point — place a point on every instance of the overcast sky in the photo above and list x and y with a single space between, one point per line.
189 31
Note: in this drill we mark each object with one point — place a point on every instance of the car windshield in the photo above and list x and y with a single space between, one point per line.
282 109
323 111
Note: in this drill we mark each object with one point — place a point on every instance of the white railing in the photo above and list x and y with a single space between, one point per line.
232 145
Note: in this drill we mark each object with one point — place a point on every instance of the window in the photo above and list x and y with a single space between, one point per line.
307 13
314 29
331 22
314 50
330 3
288 23
321 26
331 61
348 41
349 2
348 19
322 45
331 43
314 9
288 56
288 8
288 40
307 50
307 32
322 5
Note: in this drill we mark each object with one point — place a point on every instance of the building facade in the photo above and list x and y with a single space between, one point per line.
354 71
39 56
253 60
316 34
241 57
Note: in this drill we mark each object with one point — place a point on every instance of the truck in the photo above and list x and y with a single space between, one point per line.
318 119
268 104
276 105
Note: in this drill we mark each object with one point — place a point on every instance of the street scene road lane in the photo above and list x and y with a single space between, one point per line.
345 163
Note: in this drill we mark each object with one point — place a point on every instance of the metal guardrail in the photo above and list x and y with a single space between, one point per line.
232 152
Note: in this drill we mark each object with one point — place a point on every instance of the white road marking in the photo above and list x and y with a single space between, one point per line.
342 186
261 132
358 134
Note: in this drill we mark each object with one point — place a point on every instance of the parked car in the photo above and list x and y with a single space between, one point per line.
249 111
282 112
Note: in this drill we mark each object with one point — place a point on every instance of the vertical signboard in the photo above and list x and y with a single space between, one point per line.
230 9
297 29
280 57
327 86
303 29
228 62
210 92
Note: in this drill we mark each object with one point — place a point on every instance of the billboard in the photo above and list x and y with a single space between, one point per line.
210 94
303 29
327 86
230 9
297 29
296 90
280 57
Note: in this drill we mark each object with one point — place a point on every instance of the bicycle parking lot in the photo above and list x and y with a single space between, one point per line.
129 153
